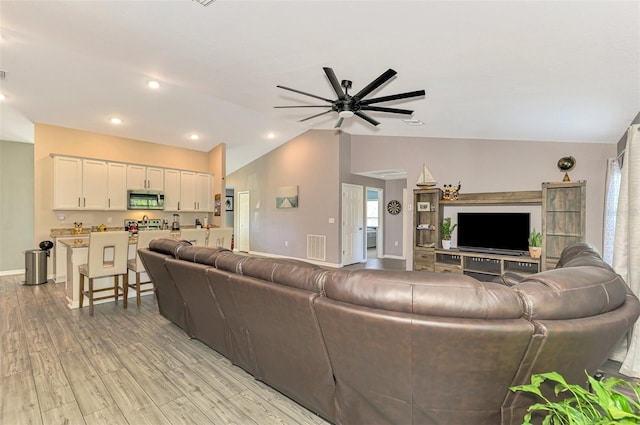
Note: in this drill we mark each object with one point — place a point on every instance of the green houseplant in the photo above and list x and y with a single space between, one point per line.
605 404
535 244
445 232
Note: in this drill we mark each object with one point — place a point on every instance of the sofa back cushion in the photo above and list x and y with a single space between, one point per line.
294 273
571 292
170 246
200 254
433 294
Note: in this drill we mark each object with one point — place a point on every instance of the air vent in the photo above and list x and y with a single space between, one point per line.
316 247
204 2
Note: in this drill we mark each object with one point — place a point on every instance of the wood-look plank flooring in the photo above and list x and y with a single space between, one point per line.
61 366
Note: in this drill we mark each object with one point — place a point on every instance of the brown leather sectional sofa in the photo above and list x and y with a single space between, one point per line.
382 347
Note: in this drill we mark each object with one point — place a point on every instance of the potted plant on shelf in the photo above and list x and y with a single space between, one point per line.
535 244
445 232
610 401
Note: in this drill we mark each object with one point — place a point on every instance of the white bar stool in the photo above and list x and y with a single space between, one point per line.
136 266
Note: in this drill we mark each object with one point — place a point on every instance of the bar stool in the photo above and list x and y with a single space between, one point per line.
108 252
195 236
220 237
135 264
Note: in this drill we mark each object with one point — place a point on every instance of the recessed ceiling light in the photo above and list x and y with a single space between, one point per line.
153 84
2 97
116 120
271 136
194 137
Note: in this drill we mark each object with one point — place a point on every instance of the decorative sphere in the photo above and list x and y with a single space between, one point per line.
566 163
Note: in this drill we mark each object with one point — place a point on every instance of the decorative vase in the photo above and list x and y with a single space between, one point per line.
446 244
535 251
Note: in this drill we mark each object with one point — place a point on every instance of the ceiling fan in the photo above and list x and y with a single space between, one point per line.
347 105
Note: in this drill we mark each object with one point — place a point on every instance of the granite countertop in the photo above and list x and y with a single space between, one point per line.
67 232
84 242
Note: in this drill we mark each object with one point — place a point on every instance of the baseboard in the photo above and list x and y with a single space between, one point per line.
318 263
11 272
394 257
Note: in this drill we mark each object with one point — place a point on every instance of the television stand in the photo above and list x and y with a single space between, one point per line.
511 252
483 266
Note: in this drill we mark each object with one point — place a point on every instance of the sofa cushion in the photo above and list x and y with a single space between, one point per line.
200 254
294 273
435 294
170 246
571 292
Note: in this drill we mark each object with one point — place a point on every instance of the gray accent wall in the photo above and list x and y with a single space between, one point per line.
489 166
16 204
309 161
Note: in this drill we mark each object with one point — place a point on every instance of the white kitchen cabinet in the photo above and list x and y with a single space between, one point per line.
188 191
67 183
117 186
94 184
171 190
145 178
203 192
79 184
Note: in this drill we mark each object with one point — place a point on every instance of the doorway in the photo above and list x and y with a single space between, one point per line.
375 223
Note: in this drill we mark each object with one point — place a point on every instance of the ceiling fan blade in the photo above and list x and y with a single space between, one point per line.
306 94
376 83
383 109
366 118
304 106
316 115
339 122
334 82
393 97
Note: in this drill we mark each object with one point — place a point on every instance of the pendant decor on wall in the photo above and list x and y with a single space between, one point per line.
394 207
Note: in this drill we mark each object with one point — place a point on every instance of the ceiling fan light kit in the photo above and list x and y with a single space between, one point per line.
347 105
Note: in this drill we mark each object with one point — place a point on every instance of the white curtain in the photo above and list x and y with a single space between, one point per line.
612 188
626 253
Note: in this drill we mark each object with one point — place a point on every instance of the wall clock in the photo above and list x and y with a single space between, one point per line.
394 207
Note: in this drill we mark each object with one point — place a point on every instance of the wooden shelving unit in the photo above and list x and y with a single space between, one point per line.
563 223
563 219
427 219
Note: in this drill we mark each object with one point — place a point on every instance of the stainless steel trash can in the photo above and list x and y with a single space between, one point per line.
35 267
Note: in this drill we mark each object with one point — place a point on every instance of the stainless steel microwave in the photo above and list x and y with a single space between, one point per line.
145 200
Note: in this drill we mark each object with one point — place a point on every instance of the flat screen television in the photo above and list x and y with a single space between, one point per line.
496 232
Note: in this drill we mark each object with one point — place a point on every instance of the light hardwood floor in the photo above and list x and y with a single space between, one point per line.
61 366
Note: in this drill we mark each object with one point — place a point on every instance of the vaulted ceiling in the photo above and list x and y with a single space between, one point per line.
563 71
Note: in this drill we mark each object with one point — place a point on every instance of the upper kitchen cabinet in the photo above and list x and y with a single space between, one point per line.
79 184
187 191
171 190
142 177
195 191
117 186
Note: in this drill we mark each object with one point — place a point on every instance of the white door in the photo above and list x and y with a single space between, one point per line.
242 222
352 224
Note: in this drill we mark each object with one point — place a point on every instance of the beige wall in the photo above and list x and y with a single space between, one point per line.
57 140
